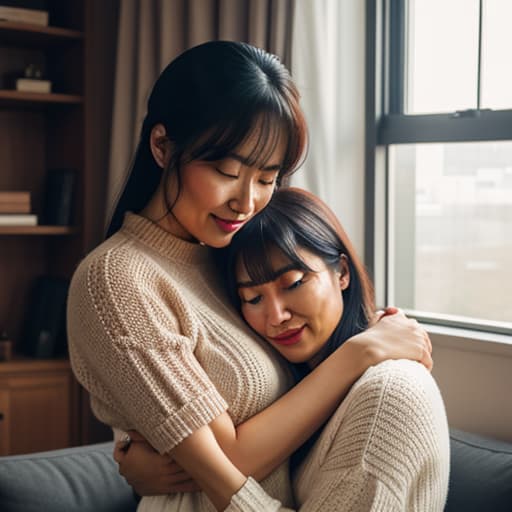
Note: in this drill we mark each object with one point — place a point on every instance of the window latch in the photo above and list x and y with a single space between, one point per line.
469 113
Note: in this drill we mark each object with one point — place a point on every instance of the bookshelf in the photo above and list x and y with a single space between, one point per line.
40 132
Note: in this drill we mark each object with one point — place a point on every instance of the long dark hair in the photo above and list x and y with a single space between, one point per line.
210 99
296 219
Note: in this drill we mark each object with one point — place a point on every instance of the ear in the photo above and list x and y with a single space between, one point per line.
344 272
160 145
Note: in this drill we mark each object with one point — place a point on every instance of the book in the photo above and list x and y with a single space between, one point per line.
58 198
33 85
23 15
7 219
14 207
8 196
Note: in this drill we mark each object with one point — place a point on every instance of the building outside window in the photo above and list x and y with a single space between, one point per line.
441 90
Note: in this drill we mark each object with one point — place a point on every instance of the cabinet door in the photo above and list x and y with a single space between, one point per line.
39 413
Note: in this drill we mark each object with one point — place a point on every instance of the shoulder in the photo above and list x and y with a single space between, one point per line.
118 278
117 266
404 385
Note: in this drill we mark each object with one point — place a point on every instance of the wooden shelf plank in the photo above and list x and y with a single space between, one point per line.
21 363
37 230
26 34
16 97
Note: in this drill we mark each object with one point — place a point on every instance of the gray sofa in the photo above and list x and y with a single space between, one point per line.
86 479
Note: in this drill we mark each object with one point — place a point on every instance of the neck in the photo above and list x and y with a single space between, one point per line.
158 212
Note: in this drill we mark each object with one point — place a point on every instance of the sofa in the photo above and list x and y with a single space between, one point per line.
86 479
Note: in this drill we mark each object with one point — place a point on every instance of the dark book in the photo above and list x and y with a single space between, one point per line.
58 197
45 321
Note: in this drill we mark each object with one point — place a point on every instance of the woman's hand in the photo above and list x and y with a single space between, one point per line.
147 471
392 335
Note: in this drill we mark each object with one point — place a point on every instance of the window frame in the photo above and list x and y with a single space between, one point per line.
386 124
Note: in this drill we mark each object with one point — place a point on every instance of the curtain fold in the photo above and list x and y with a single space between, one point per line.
328 68
153 32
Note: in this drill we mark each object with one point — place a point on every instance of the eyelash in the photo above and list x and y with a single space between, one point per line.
296 284
256 300
235 176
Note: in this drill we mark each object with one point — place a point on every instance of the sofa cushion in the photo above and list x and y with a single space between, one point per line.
82 479
480 474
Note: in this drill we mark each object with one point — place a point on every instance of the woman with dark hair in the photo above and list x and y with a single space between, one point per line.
152 336
295 277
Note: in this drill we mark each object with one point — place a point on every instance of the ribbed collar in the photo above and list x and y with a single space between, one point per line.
163 242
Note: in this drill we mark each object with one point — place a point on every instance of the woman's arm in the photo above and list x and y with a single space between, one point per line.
202 458
266 440
263 442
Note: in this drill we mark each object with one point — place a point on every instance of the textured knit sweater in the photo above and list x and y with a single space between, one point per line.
153 341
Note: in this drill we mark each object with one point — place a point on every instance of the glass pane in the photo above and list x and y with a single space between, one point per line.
451 225
442 59
496 46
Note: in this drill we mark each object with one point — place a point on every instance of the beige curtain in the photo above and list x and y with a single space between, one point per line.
152 32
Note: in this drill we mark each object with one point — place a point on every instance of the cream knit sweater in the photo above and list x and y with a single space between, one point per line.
153 341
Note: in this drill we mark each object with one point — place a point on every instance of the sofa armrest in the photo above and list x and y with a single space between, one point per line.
84 479
480 474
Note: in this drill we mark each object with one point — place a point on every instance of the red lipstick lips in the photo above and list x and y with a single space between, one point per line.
288 337
228 226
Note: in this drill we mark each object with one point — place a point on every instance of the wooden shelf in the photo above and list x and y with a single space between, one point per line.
38 230
10 97
27 35
21 363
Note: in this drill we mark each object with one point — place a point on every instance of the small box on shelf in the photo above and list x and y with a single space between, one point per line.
33 85
24 12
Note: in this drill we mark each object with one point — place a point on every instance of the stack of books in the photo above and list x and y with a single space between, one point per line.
15 209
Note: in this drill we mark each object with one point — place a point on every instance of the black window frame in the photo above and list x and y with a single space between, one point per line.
387 124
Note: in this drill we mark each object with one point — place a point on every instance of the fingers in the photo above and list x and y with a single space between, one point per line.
119 451
135 436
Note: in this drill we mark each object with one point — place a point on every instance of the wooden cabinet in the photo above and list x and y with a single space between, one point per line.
36 406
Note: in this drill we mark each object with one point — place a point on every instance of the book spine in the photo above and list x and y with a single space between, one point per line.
18 220
14 197
18 14
14 207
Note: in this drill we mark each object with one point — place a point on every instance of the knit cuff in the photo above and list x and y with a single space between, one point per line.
188 419
252 498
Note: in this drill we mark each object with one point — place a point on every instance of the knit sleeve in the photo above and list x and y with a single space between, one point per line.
131 346
252 498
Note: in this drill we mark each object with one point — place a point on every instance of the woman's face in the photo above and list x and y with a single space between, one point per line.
217 198
298 311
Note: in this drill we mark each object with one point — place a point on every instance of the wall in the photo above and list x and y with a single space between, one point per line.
474 372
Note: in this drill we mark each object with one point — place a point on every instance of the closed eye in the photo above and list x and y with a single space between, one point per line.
296 284
253 301
220 171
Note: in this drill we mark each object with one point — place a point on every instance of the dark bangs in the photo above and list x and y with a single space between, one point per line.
287 224
270 121
254 253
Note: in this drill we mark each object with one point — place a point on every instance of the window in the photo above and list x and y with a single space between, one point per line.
444 126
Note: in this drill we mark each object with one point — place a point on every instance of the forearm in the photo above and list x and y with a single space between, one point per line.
266 440
203 459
